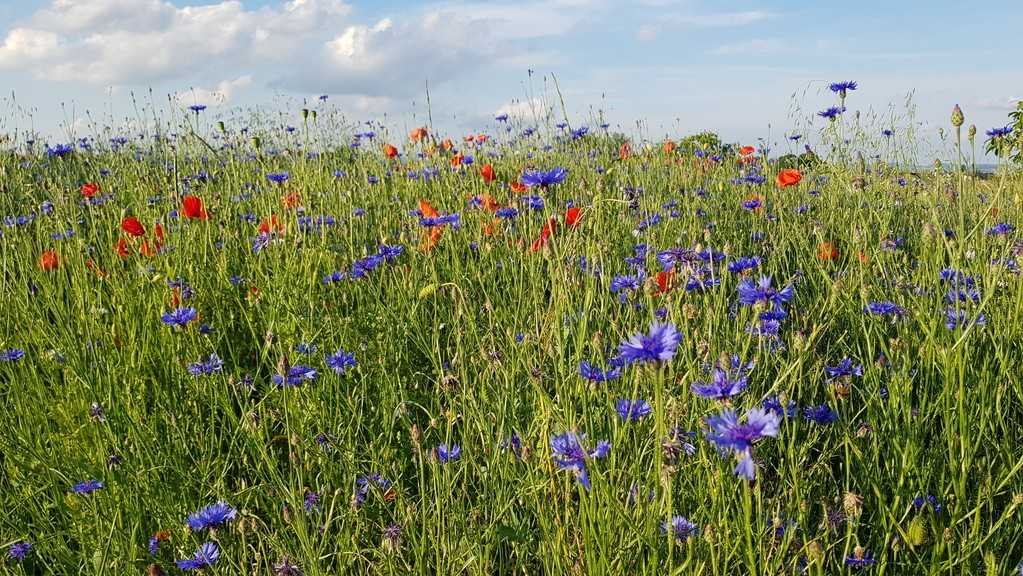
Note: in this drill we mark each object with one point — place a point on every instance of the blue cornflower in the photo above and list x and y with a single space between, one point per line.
773 404
831 113
651 220
364 483
593 374
179 316
261 241
1000 132
580 132
632 410
197 108
928 501
447 453
680 527
1001 229
295 376
341 361
501 117
206 367
278 177
569 454
884 309
821 414
752 203
672 256
19 550
861 558
841 88
534 202
544 178
959 318
845 368
212 516
740 265
154 545
507 212
430 222
87 486
726 432
305 348
206 555
11 355
763 292
390 253
627 283
60 150
730 377
658 345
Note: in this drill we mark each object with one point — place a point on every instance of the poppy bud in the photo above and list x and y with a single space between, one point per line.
957 116
305 113
221 127
972 132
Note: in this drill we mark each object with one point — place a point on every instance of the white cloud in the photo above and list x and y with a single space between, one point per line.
720 19
142 41
533 109
752 47
26 46
221 94
1001 104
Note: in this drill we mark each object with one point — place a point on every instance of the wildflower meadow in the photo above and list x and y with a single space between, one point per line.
319 346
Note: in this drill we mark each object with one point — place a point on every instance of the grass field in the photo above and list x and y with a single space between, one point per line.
304 352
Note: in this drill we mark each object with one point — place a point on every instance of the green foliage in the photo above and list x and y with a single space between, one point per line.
708 142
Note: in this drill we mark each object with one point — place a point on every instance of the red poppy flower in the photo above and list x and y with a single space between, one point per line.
788 177
625 150
668 146
90 189
487 172
447 144
132 226
747 150
193 208
291 200
147 249
122 248
418 134
390 151
665 281
158 234
49 260
826 251
270 224
517 187
572 216
545 235
456 160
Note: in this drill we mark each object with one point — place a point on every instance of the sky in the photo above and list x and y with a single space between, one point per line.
746 69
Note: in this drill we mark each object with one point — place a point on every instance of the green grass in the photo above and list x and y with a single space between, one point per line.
435 337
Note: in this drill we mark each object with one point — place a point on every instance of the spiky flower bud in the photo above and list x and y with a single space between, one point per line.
852 504
957 116
305 113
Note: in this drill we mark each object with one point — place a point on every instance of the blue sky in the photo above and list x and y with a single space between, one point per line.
746 68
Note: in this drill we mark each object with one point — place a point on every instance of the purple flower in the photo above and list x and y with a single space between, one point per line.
841 88
206 367
822 414
542 178
730 377
845 368
87 487
19 550
296 375
740 265
632 410
728 434
762 291
831 113
212 516
206 555
179 316
884 309
569 454
680 527
594 374
341 361
446 453
12 355
659 345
